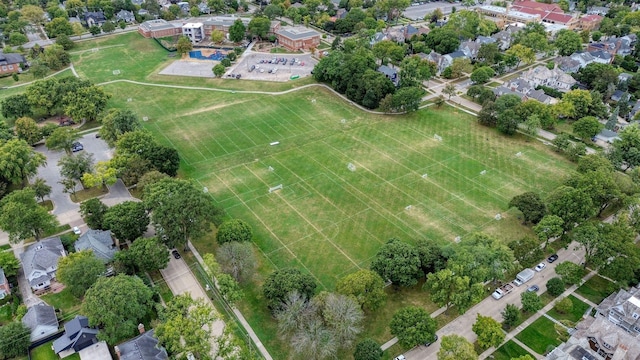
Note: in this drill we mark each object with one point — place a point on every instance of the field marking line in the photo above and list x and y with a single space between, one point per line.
307 220
170 142
211 108
94 49
270 230
239 130
289 108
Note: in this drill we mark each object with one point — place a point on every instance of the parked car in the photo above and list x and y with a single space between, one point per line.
533 288
435 338
540 266
175 254
552 258
76 146
76 230
400 357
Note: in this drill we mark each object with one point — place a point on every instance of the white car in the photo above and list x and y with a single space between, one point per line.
400 357
540 266
76 230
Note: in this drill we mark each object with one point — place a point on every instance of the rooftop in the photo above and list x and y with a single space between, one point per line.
297 32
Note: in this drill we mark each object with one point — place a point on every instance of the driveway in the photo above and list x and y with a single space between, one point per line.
491 307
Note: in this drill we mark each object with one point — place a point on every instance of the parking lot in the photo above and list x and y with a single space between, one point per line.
417 11
272 67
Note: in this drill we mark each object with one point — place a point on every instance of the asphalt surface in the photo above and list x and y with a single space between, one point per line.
418 12
492 307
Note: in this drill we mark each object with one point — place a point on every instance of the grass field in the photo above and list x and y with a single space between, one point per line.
576 313
509 351
540 335
406 184
45 352
596 289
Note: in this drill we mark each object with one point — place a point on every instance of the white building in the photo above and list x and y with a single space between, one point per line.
194 31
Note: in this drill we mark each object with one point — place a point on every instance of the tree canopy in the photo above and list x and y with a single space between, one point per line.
78 271
489 331
234 230
413 326
284 281
366 286
398 262
23 218
455 347
127 220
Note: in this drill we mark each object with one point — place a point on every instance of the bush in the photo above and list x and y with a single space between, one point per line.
564 306
555 286
234 230
225 62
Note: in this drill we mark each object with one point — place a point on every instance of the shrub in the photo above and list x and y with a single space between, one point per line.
555 286
234 230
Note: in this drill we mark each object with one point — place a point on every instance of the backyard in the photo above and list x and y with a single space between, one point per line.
45 352
508 351
540 336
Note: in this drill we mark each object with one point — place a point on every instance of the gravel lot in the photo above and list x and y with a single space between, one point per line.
261 72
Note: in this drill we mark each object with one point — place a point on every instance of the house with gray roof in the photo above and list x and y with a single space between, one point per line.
92 18
502 90
607 136
126 16
10 63
623 309
77 336
504 38
99 242
624 77
601 56
40 262
143 347
439 59
598 10
41 319
470 49
390 73
5 289
554 78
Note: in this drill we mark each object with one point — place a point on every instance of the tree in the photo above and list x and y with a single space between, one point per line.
569 272
104 174
234 230
93 211
64 41
69 186
366 286
26 129
489 331
555 286
571 205
551 226
530 301
564 305
284 281
229 288
148 254
219 70
33 14
9 263
449 90
117 305
18 161
86 103
108 27
406 99
15 339
23 218
398 262
74 167
16 106
443 41
314 341
17 39
510 315
387 50
128 220
149 178
626 151
526 250
489 53
78 271
59 26
579 102
531 205
237 259
237 31
343 316
460 66
295 311
183 45
413 326
567 42
367 349
414 70
448 288
62 138
259 26
185 326
587 127
94 30
180 209
482 74
55 57
531 125
522 53
392 8
40 188
455 347
217 37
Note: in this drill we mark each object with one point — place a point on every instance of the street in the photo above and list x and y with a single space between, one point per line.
492 307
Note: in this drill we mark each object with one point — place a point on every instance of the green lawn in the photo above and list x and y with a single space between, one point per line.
579 308
6 313
65 302
508 351
596 289
45 352
539 335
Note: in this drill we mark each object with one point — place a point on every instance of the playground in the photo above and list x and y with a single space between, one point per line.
207 54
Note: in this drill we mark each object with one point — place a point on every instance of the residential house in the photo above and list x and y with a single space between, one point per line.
568 64
5 289
98 241
554 78
541 97
41 319
390 73
598 10
159 28
11 63
470 49
634 110
126 16
596 339
602 57
94 18
485 39
137 2
143 347
97 351
204 8
40 262
623 309
617 95
377 37
502 90
193 31
624 77
77 336
143 13
438 59
297 38
504 38
615 45
526 90
607 136
184 6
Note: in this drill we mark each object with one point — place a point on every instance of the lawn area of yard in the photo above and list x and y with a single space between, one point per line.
596 289
579 308
45 352
539 335
163 288
65 302
508 351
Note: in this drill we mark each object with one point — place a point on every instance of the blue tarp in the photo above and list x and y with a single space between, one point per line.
197 54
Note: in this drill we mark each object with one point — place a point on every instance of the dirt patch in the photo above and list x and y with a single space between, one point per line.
211 108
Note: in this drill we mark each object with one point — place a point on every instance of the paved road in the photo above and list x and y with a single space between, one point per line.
491 307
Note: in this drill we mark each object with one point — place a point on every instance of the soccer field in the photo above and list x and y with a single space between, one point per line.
350 180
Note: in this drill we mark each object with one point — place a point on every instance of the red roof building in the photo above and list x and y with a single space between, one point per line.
589 22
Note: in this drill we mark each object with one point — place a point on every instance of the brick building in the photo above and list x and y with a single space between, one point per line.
10 63
159 28
298 38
